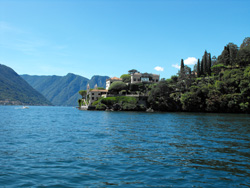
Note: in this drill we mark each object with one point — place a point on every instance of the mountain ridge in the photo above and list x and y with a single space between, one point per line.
16 91
63 90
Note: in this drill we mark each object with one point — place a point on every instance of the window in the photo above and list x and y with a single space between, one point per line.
93 98
134 79
145 79
156 80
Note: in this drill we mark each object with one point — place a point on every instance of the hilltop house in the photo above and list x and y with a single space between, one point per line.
144 78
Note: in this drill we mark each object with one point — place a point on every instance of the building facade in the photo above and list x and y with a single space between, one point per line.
144 78
95 94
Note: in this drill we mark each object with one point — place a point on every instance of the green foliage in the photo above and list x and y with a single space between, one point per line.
83 93
79 102
243 56
245 43
227 90
126 78
198 69
100 88
159 97
117 86
216 69
100 106
132 71
229 55
174 78
190 101
121 102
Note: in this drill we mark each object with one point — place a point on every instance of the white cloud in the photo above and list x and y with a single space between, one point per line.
190 61
176 66
159 68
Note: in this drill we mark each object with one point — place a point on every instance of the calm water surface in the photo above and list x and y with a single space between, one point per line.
64 147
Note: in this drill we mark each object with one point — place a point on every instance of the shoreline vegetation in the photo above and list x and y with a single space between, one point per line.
220 85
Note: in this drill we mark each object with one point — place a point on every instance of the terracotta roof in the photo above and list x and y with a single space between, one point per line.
115 78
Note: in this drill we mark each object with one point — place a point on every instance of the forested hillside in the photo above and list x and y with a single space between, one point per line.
63 90
15 90
214 85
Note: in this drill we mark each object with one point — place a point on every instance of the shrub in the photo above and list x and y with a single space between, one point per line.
100 106
117 86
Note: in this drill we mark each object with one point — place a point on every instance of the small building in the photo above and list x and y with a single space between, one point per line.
95 94
144 78
110 81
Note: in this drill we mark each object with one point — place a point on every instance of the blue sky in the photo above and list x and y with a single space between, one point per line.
110 37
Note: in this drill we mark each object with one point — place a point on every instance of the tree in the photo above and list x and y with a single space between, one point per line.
174 78
117 86
202 68
245 43
243 56
83 93
182 66
198 69
214 61
132 71
224 58
205 63
126 78
233 50
159 98
209 64
216 69
228 55
190 101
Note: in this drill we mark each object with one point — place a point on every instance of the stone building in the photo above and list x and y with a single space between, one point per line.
144 77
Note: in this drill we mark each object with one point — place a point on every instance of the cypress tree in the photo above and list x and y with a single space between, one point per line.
205 69
182 65
182 71
209 64
202 68
198 68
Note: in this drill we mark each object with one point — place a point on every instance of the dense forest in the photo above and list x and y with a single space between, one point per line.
216 84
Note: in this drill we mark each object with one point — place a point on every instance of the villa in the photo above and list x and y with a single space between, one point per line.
144 78
96 93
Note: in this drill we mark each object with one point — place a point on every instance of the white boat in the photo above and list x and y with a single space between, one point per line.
25 107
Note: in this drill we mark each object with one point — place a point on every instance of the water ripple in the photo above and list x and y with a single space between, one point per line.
64 147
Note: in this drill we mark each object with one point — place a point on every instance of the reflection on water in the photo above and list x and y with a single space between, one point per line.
64 147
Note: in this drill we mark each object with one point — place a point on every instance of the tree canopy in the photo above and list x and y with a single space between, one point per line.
117 86
132 71
126 78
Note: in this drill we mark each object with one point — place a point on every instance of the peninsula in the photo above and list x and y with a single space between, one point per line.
214 85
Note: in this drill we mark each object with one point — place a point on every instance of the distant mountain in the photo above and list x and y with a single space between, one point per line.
63 90
15 90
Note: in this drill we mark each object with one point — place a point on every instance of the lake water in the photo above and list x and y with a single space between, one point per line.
65 147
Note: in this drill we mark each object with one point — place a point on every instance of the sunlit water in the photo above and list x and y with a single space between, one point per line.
65 147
